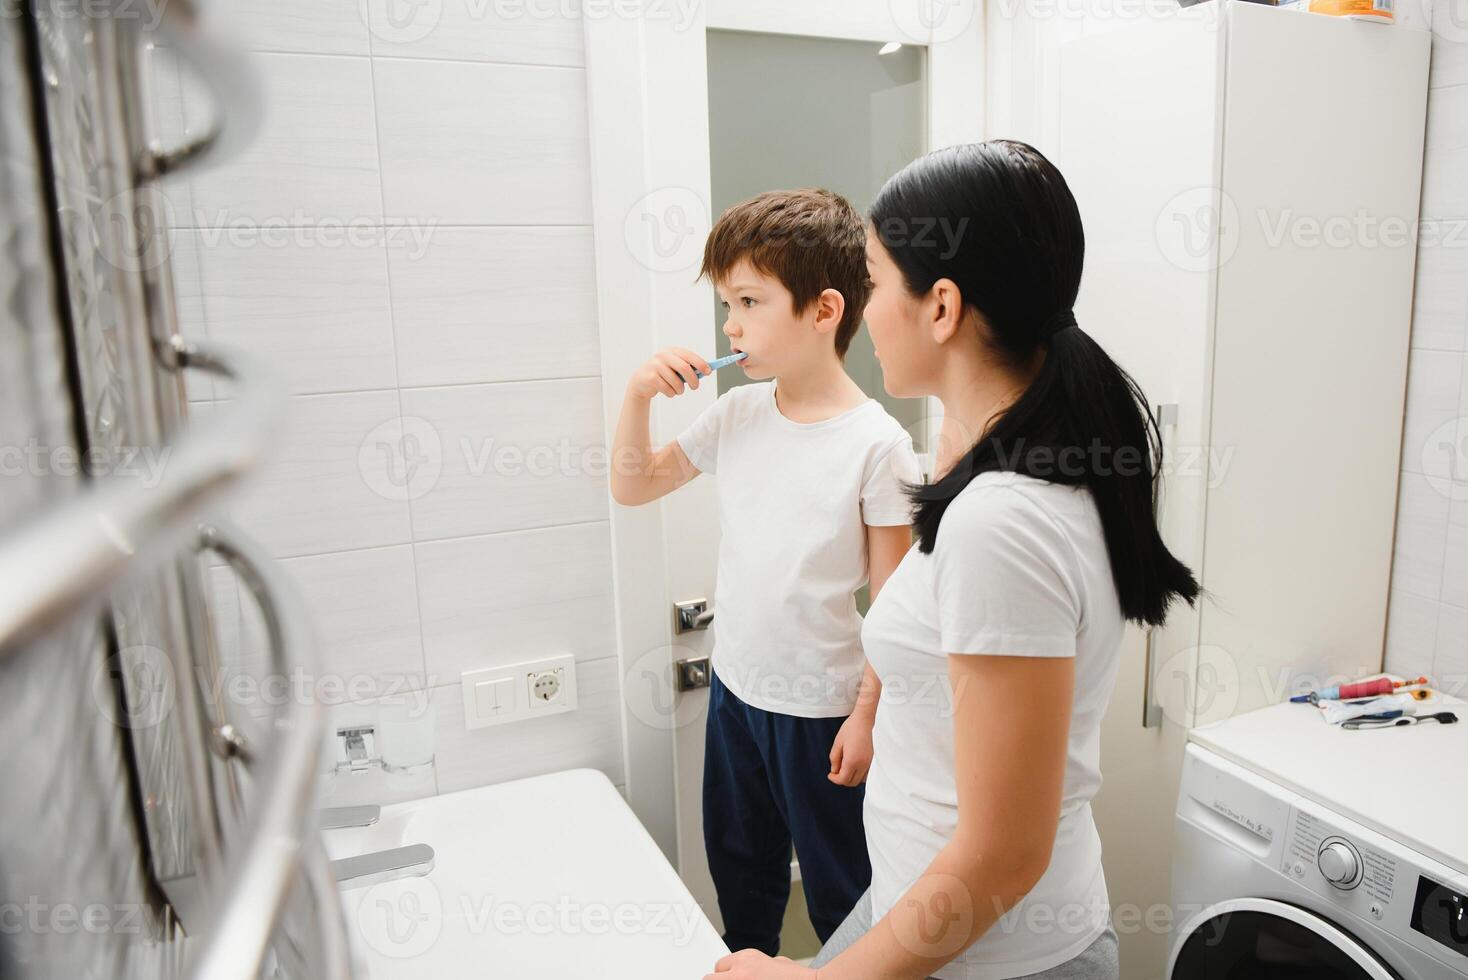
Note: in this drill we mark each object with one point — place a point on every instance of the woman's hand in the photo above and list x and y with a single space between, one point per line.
751 964
851 753
669 372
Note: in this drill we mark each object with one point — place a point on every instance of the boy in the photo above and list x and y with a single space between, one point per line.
811 505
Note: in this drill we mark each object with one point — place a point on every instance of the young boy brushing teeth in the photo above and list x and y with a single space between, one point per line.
811 506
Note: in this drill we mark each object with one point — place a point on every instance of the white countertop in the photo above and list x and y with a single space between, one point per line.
1407 783
551 878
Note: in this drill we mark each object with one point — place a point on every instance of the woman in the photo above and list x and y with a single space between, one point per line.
997 638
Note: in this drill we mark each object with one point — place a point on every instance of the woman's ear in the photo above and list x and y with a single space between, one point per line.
830 306
944 310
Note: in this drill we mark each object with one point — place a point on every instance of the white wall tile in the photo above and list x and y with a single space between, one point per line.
518 32
365 608
313 306
1411 634
460 319
502 598
1440 299
1455 558
483 144
1449 43
315 157
1444 191
1432 442
1433 383
1422 525
514 456
474 307
326 487
1450 665
317 27
590 736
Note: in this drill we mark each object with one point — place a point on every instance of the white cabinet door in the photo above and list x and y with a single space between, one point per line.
1322 168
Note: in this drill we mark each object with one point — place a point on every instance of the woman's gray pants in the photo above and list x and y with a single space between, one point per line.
1096 962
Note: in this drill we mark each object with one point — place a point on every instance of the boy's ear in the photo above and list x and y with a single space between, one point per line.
830 306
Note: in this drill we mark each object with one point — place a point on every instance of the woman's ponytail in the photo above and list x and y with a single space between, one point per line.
1014 246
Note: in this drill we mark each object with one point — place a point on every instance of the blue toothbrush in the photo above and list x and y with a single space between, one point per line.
716 364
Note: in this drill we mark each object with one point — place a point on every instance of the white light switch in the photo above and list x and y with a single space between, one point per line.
494 697
533 688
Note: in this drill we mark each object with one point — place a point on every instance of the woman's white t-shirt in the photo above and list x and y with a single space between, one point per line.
795 499
1019 568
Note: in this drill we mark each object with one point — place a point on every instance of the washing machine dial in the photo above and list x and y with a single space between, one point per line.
1339 863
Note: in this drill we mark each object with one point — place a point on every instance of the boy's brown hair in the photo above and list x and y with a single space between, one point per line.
810 239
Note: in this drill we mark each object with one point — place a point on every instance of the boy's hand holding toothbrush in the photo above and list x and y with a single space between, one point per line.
674 370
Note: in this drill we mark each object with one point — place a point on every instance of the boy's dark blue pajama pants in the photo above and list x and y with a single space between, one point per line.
764 787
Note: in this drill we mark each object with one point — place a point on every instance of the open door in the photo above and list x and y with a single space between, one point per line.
660 83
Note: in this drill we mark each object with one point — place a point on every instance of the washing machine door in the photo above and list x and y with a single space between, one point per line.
1261 939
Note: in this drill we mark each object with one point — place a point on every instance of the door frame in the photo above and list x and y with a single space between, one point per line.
647 101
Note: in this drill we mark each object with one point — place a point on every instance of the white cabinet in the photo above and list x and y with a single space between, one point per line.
1248 178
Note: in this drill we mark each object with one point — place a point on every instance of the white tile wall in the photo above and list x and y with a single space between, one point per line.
408 244
318 27
315 307
558 601
484 144
315 157
515 456
473 306
1427 630
318 492
480 30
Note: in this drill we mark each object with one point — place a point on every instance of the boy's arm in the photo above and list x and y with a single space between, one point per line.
851 753
885 547
641 474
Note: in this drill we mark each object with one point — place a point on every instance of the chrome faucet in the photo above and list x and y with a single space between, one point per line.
412 861
341 817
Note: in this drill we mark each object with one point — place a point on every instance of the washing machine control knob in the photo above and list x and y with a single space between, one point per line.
1339 863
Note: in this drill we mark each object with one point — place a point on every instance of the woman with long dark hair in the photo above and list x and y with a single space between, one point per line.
997 639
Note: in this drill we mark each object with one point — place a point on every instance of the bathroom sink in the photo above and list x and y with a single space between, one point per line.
551 877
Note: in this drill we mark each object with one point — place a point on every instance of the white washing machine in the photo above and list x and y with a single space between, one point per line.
1307 852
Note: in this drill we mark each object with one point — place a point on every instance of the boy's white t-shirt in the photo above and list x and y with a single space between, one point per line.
1020 569
794 499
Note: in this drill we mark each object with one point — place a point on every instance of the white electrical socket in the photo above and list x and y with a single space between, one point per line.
497 695
550 686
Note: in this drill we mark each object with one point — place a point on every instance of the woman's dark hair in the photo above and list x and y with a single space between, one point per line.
998 220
